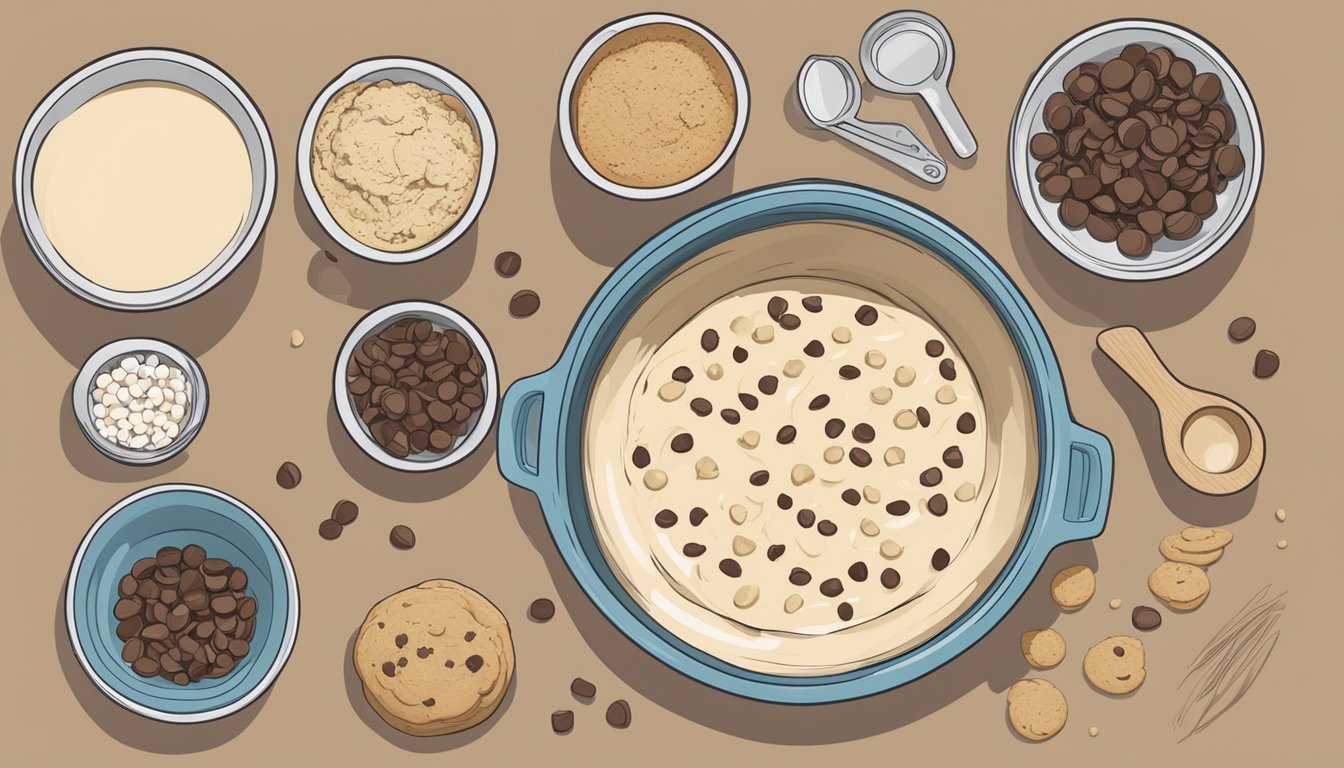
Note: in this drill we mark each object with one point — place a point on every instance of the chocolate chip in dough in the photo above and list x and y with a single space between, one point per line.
828 528
790 322
938 505
898 507
709 340
748 400
739 355
474 663
776 307
329 529
1145 618
524 304
819 402
640 457
682 373
865 315
799 577
693 549
814 348
851 497
768 385
845 611
541 609
786 434
288 476
834 428
806 518
940 559
701 407
890 578
731 416
812 303
618 714
402 537
1241 329
582 688
562 721
665 518
345 512
683 442
860 457
697 515
774 552
966 423
759 477
952 457
858 571
922 415
864 432
933 348
507 263
947 369
1266 364
784 501
730 567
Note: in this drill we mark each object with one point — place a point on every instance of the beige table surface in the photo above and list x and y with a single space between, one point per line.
271 403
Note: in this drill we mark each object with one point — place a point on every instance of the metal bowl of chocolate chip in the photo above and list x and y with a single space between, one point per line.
182 604
1136 150
416 386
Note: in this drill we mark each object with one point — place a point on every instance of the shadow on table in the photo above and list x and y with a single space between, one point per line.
75 328
1193 507
996 661
394 483
89 462
607 228
357 282
131 729
1083 298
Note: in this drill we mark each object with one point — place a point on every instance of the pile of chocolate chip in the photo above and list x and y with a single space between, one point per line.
416 386
1138 149
184 616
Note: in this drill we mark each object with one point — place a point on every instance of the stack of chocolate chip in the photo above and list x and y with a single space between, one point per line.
416 386
1137 149
184 616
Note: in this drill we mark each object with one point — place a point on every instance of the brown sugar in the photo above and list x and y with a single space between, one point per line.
656 109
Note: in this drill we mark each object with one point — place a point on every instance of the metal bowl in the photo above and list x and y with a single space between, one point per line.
478 426
1169 257
139 65
107 358
587 56
400 70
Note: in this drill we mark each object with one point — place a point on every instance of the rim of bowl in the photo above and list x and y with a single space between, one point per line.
442 316
477 112
101 360
580 61
1028 196
291 631
222 265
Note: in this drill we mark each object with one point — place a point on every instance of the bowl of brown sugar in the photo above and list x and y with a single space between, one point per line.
652 106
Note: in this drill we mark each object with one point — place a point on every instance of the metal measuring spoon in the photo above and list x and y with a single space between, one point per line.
911 52
829 91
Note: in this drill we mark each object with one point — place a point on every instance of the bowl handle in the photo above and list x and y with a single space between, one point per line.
1087 491
519 451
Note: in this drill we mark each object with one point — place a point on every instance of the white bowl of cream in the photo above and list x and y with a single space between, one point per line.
144 179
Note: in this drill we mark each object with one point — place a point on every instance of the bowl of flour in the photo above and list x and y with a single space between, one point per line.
144 179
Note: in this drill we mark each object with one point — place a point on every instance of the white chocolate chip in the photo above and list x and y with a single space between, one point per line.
742 546
890 549
905 419
714 371
880 395
296 338
833 455
706 468
741 325
964 492
871 494
1283 544
1281 515
893 456
946 395
801 474
875 359
905 376
1115 603
655 479
737 513
792 603
671 391
749 439
746 596
793 368
868 527
764 334
841 335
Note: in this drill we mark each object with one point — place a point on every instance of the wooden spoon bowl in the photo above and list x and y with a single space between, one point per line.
1212 443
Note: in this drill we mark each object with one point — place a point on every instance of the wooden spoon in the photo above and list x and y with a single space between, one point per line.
1212 443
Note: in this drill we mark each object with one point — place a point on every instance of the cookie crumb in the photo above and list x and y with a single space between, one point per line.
296 338
542 609
1281 515
1093 731
1115 603
1283 544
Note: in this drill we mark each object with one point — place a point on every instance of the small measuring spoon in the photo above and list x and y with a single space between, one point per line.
829 91
909 52
1213 444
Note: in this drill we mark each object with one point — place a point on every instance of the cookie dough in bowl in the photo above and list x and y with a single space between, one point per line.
793 462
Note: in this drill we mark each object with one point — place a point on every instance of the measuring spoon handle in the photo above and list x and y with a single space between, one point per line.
1130 349
949 117
896 144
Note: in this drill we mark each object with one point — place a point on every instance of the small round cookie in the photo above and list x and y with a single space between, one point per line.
1197 540
1179 584
1073 586
1043 648
1036 709
1115 665
436 658
1171 549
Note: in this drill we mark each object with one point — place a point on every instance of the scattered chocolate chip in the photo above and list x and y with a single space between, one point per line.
827 528
776 307
731 415
799 577
730 567
1266 364
701 407
698 515
665 518
940 559
938 505
774 552
288 476
389 669
475 662
768 385
345 512
759 477
922 414
401 640
898 507
814 348
864 432
748 401
860 457
806 518
1145 618
329 529
618 714
845 611
819 402
640 457
834 428
966 423
1241 329
890 578
952 457
812 303
948 369
582 688
682 373
507 263
851 497
933 348
858 571
865 315
790 322
524 304
402 537
693 549
739 355
786 434
930 477
562 721
849 372
709 340
425 652
784 501
683 442
541 609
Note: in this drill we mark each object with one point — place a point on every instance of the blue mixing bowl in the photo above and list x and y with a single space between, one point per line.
541 424
178 515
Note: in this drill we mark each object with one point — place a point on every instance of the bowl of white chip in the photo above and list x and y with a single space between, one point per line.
140 401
